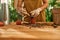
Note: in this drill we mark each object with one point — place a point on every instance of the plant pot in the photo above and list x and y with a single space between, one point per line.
1 24
18 22
56 15
33 20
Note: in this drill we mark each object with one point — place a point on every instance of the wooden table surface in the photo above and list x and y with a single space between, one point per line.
22 32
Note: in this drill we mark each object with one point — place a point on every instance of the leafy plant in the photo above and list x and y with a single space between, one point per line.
14 15
48 10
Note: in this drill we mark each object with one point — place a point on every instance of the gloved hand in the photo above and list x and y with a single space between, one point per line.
23 11
36 12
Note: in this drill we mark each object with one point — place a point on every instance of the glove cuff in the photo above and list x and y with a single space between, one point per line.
39 9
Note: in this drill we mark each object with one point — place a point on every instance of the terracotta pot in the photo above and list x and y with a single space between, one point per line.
1 24
56 15
18 22
33 20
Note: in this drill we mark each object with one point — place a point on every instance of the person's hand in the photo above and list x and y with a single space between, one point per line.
36 12
23 11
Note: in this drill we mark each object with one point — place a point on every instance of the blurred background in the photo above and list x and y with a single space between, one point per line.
14 15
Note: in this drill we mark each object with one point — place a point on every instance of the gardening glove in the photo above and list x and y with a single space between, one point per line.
36 12
24 12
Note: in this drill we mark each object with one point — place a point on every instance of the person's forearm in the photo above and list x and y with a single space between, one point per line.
15 4
45 4
19 4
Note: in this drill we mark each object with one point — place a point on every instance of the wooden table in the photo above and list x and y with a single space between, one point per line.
22 32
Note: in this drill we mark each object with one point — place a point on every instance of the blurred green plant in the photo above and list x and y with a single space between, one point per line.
14 15
52 3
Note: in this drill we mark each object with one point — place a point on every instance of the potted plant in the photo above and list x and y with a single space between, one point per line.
56 13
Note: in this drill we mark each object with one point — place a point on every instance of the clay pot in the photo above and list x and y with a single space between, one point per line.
18 22
56 15
33 20
1 24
